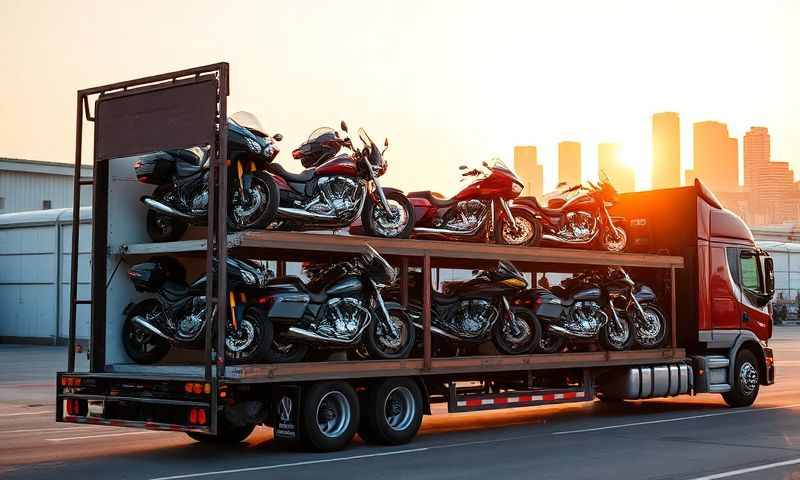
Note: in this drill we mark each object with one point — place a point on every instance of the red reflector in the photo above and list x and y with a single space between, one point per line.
296 153
201 417
193 416
538 300
143 179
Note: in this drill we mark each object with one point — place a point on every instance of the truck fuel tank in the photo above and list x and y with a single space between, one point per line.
635 383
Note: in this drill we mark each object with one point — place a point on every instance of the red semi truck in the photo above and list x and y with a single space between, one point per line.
712 280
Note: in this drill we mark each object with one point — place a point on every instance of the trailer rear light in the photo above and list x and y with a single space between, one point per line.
197 388
207 388
70 381
75 407
188 388
193 416
201 416
198 416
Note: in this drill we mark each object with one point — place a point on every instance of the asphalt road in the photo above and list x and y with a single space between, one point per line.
687 438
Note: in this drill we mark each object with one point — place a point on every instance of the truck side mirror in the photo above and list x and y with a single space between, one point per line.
769 277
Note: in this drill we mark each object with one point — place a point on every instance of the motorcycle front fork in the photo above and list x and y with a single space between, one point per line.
377 186
510 318
507 212
388 325
610 222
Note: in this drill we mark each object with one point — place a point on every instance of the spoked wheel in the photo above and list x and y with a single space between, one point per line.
142 345
331 416
249 342
257 207
286 351
164 228
392 412
650 331
527 232
520 335
615 241
396 223
384 344
550 343
616 337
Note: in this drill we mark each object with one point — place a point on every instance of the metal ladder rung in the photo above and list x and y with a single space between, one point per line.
86 181
83 302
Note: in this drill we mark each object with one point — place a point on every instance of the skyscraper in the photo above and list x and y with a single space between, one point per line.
529 170
569 163
666 150
609 162
756 155
716 157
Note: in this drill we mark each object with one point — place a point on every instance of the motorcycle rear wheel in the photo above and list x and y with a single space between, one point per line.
530 333
377 223
549 343
281 351
164 228
527 234
142 346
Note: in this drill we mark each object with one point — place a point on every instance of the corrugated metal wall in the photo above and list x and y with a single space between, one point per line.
34 278
24 191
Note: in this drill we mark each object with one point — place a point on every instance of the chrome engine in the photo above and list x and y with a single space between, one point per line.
471 320
345 319
466 215
579 226
585 319
190 325
337 196
199 204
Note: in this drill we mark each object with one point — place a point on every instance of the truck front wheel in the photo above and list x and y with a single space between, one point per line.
330 415
744 387
392 412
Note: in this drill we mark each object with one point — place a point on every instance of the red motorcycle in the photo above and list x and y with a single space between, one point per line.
336 188
479 212
579 217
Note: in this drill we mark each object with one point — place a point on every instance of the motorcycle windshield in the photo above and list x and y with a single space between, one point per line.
249 121
321 131
500 165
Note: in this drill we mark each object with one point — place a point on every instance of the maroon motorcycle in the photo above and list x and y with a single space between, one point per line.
478 213
336 188
579 218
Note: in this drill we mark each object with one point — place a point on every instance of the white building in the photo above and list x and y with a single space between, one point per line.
27 185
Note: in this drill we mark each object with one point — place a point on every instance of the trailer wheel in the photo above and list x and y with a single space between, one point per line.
392 412
329 417
227 434
744 388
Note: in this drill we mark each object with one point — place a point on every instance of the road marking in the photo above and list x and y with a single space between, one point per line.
26 413
104 435
679 419
286 465
742 471
52 429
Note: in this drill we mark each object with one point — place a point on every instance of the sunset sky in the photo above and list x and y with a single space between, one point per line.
449 82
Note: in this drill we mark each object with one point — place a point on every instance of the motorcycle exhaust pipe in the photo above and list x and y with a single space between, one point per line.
138 320
165 209
569 333
303 334
439 331
553 238
300 214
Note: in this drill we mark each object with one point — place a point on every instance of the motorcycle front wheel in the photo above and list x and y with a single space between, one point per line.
142 345
650 332
616 338
250 341
397 223
615 243
522 339
256 209
527 233
384 346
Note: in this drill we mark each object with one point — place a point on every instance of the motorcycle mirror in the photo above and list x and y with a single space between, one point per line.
277 137
462 167
343 126
386 142
485 164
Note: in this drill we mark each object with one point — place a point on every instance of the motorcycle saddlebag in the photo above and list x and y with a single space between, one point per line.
150 276
155 168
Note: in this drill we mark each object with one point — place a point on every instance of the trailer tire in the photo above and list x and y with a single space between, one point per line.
330 416
392 412
227 435
744 388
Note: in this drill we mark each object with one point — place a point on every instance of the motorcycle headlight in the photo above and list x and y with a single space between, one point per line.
249 278
516 188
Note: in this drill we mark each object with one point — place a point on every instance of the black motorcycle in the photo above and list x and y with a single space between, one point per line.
177 314
340 308
578 310
474 311
638 304
181 198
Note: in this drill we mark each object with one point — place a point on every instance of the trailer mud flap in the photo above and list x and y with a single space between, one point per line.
286 399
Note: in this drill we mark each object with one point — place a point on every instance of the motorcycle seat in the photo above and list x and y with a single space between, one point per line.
442 299
436 198
315 297
173 292
301 177
550 212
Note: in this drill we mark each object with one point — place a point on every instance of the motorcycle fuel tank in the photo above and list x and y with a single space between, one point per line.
587 294
548 306
344 287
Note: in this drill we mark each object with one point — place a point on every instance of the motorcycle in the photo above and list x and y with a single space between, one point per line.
479 212
181 196
341 307
580 220
177 314
637 302
578 309
476 310
336 188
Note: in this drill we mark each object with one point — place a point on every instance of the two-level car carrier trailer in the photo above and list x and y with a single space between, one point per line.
322 404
